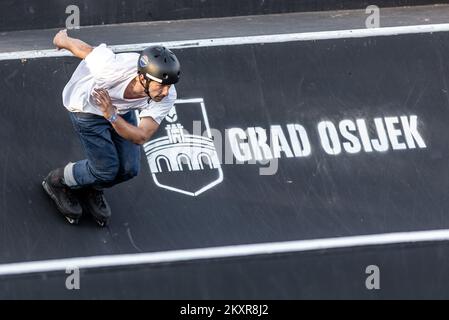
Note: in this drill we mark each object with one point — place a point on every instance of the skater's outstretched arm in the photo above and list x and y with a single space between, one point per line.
77 47
137 135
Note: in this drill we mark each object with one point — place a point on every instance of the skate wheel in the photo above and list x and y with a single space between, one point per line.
102 223
72 221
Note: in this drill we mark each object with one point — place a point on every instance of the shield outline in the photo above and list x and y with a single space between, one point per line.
209 135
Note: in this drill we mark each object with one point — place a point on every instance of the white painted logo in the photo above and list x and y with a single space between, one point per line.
191 163
178 158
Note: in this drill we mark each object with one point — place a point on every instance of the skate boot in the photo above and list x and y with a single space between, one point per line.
96 204
63 196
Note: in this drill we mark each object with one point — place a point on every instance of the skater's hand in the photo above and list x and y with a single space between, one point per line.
104 102
61 39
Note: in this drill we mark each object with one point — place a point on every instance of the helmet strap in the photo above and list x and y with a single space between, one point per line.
146 86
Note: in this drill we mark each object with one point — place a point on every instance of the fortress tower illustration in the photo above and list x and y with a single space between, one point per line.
180 151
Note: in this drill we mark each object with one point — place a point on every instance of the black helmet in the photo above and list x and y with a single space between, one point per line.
159 64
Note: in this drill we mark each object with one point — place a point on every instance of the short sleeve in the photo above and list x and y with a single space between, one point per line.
159 110
103 66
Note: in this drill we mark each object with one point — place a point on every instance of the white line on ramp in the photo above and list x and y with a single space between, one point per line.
222 252
233 41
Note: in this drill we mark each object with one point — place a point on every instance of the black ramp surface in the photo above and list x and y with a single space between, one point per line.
316 196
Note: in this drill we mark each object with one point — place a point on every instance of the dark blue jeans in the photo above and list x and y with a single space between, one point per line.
110 159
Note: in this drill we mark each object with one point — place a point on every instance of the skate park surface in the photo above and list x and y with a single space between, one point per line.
229 232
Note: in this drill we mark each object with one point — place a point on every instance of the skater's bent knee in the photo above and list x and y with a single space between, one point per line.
105 176
129 174
132 172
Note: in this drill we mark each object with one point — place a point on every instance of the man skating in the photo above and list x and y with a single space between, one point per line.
102 96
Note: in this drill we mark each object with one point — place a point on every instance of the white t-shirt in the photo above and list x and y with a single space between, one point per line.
102 68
